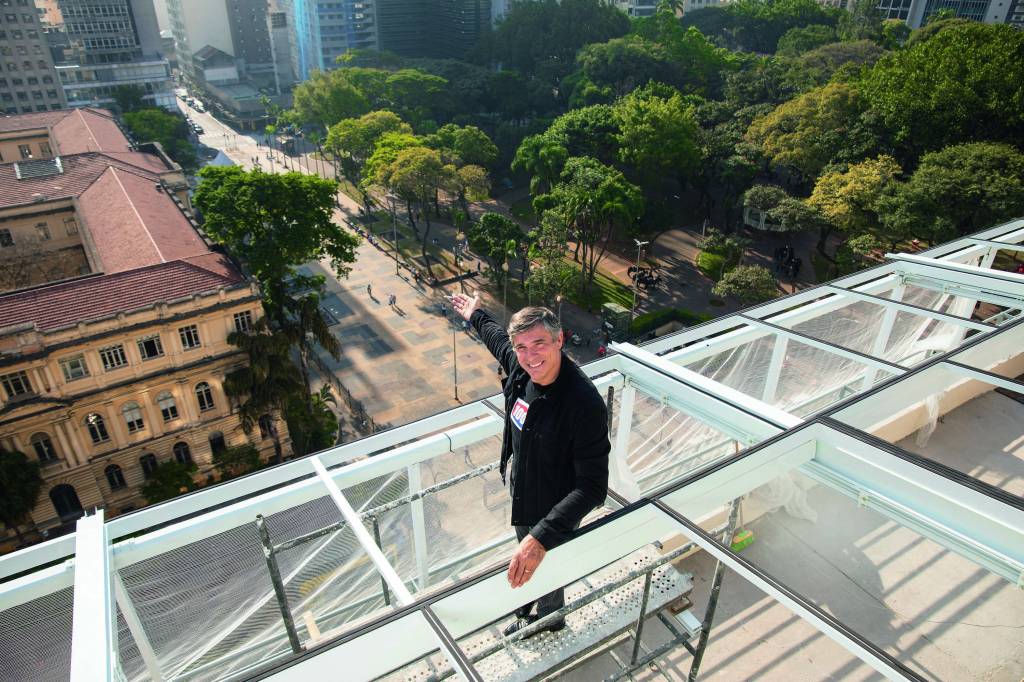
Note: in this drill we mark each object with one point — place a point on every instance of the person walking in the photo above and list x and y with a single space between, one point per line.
369 290
555 436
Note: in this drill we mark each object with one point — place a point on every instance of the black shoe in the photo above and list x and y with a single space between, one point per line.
521 623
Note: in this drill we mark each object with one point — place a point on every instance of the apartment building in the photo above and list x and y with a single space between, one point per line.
114 324
28 80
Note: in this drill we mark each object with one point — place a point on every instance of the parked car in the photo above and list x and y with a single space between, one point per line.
198 130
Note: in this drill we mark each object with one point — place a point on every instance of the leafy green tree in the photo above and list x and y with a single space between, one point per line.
469 183
749 283
274 222
416 175
543 158
757 25
303 324
931 95
416 96
588 131
852 200
157 125
802 39
316 430
385 151
932 28
463 145
657 135
596 202
550 274
758 81
490 237
764 197
128 98
237 460
855 253
862 22
796 215
269 378
168 480
20 482
808 132
327 97
839 61
540 39
353 140
957 191
895 33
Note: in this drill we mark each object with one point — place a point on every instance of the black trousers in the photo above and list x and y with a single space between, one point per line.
552 601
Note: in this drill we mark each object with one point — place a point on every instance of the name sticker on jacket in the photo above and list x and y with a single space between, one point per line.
519 411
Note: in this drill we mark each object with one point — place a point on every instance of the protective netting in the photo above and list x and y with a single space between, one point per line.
35 639
666 443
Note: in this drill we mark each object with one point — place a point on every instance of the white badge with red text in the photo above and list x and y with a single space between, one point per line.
519 411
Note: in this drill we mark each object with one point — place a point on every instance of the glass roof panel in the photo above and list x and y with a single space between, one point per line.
966 424
903 592
1002 354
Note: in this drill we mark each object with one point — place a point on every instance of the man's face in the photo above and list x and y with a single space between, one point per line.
539 353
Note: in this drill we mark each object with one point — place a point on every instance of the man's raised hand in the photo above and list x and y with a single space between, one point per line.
465 305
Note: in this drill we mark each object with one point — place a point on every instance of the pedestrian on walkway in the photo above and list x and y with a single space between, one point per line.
369 290
392 299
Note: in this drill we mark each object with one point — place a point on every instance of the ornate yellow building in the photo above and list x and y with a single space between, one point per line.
115 317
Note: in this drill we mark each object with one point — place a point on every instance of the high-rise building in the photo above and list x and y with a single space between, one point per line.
28 80
638 8
281 48
111 43
323 31
431 28
917 12
114 317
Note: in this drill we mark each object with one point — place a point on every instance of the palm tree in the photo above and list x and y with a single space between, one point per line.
304 326
20 482
543 159
268 380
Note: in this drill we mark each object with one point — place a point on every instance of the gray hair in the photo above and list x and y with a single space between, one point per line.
530 317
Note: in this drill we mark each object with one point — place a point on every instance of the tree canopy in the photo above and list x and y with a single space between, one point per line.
20 482
749 283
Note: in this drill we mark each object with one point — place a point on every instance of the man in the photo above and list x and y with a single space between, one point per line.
556 436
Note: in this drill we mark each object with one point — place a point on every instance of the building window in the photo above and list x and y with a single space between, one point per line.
74 368
168 408
5 238
217 443
71 226
243 321
150 347
205 396
148 463
44 147
15 384
133 417
267 428
65 501
43 230
24 149
45 452
97 429
115 477
189 337
113 357
182 453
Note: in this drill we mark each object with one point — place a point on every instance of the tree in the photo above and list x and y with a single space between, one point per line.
657 134
415 95
20 482
895 33
542 157
416 174
128 98
157 125
841 61
303 324
808 132
268 380
327 97
470 183
274 222
168 480
490 237
353 141
551 274
237 460
931 96
749 283
802 39
986 179
588 131
595 201
314 430
862 22
463 145
852 200
764 197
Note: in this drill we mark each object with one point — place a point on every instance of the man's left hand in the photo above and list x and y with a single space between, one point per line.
526 560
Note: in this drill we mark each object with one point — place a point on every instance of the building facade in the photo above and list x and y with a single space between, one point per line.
114 324
431 28
28 79
323 31
110 43
917 13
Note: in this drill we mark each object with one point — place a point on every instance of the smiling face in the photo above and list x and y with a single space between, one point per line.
539 353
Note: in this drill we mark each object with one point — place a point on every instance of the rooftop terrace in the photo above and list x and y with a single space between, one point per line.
868 432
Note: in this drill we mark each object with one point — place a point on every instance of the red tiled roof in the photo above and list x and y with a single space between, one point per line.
57 305
80 171
73 130
133 224
41 119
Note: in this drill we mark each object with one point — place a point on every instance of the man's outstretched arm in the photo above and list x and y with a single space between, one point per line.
494 337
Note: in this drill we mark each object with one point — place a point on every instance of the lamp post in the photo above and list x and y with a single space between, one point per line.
394 228
558 299
455 360
459 236
504 302
636 279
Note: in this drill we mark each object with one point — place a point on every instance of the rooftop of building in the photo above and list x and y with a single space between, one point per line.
144 247
73 131
864 434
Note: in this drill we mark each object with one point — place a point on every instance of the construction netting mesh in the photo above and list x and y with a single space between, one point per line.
35 639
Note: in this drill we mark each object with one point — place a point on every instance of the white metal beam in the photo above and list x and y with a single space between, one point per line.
419 527
383 566
134 623
621 478
915 310
1001 246
971 373
996 281
93 633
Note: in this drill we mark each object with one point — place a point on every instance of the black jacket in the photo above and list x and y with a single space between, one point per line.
562 471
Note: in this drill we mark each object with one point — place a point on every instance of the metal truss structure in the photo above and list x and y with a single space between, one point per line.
111 601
